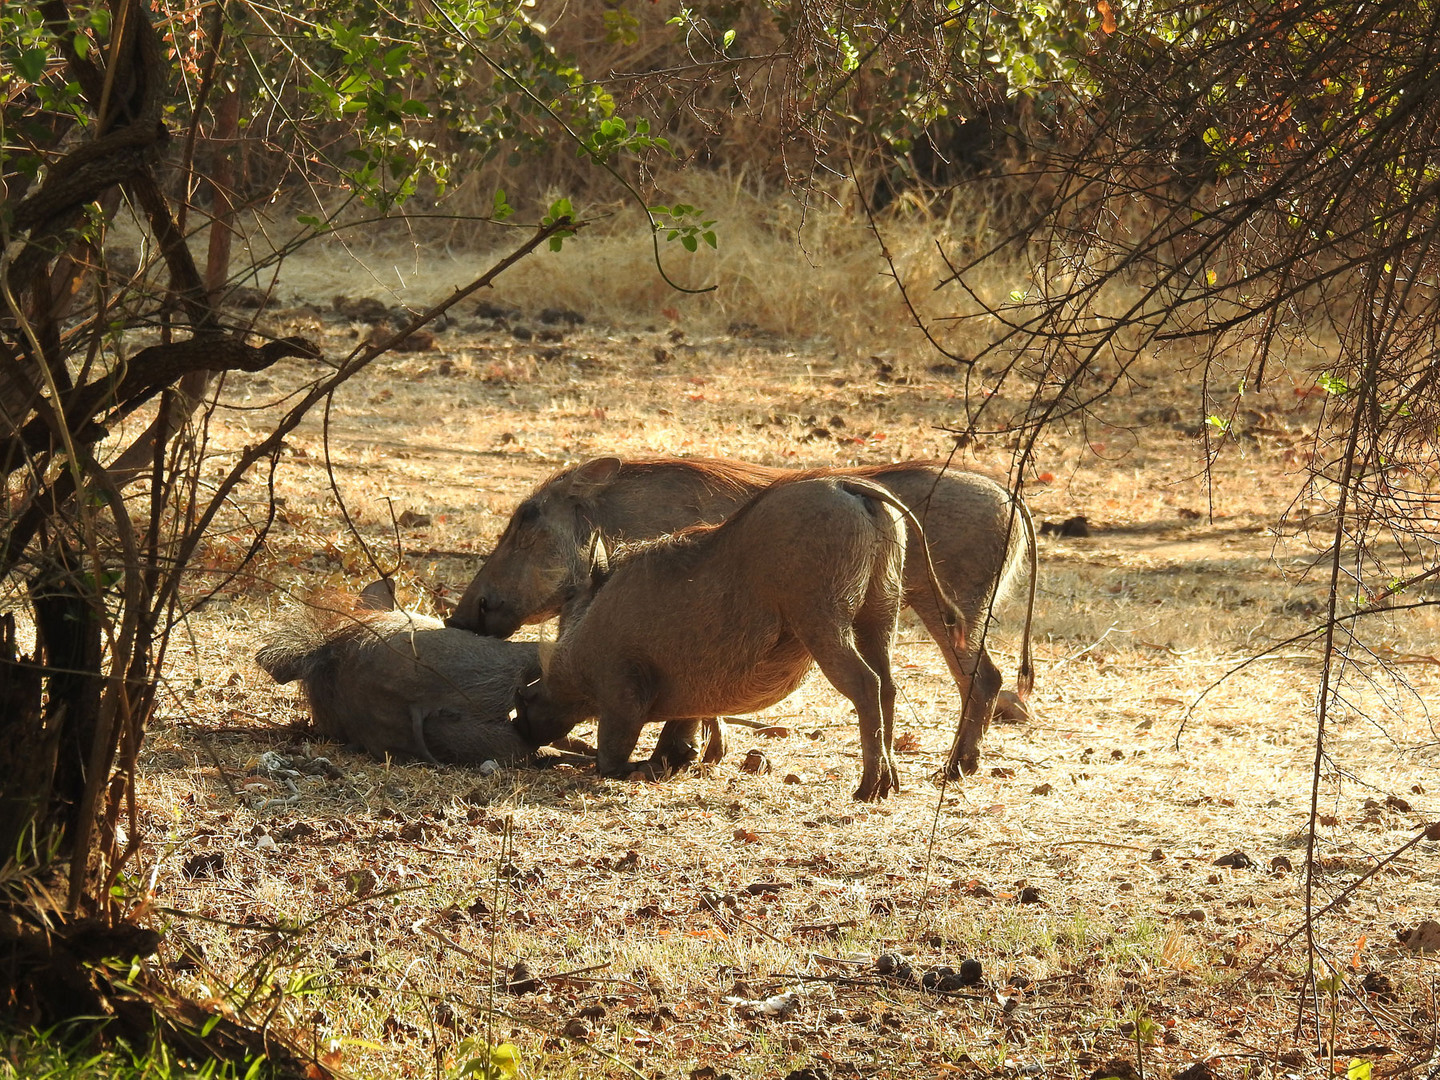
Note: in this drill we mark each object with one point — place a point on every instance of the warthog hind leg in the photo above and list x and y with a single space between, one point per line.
716 741
975 717
678 747
417 729
979 682
841 663
684 742
873 643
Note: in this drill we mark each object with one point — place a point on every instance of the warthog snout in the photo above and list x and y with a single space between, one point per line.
537 717
485 614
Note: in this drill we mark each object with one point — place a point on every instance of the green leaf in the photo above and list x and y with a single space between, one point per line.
31 64
689 243
1219 423
727 40
1332 384
491 1063
1358 1069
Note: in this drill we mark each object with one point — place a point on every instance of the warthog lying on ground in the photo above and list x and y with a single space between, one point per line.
727 618
979 539
399 683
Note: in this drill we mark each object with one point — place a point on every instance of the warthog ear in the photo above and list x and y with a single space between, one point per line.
378 595
547 653
594 476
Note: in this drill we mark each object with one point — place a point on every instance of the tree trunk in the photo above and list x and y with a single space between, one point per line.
27 749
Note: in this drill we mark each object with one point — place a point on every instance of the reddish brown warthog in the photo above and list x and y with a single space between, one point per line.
403 684
979 538
727 618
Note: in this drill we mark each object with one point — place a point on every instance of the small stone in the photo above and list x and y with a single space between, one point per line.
266 844
970 971
755 762
1379 985
521 980
1236 860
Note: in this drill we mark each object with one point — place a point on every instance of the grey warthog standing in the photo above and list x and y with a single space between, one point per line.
727 618
979 538
401 683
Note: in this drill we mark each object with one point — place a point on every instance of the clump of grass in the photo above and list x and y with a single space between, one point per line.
51 1055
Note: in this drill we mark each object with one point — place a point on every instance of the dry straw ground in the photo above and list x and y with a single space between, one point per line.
1078 867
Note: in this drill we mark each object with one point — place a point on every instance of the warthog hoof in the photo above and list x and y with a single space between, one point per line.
955 769
873 789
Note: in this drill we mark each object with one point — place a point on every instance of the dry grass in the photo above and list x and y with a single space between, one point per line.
743 886
797 270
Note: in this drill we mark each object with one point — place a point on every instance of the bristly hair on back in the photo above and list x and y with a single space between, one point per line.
308 639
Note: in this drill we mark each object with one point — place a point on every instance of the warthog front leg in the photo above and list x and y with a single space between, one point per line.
841 663
615 739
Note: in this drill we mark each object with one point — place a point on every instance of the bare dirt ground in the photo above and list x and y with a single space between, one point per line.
379 904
